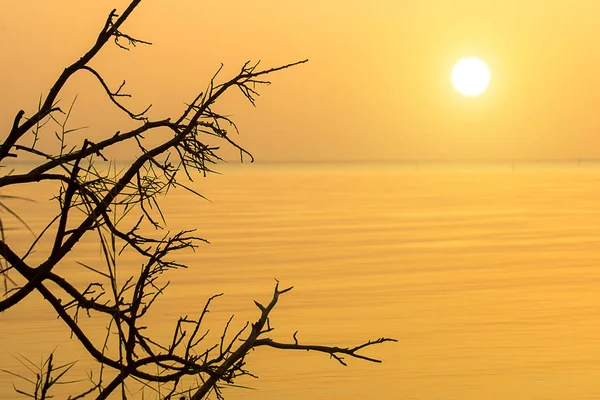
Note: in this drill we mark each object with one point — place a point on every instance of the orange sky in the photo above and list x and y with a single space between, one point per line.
377 86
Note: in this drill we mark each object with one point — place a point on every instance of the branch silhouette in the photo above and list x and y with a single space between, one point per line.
121 211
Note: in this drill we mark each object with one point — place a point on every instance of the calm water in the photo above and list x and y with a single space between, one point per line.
488 277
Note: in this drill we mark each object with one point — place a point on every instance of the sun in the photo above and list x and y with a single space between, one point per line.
470 76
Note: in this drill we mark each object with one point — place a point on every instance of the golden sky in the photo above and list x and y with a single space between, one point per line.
377 86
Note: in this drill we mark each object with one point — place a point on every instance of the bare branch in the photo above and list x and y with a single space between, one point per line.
111 28
121 210
333 351
113 96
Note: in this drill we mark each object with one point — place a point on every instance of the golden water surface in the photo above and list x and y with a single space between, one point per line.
488 276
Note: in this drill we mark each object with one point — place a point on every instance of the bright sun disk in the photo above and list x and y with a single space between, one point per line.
470 76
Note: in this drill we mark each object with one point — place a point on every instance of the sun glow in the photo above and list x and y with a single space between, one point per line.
470 76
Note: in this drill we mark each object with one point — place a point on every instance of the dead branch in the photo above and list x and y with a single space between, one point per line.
91 203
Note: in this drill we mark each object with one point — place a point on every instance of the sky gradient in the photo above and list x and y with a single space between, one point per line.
377 86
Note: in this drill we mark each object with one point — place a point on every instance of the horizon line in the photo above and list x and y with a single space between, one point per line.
384 161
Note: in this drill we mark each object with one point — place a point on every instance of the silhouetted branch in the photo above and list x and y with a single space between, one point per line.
333 351
117 208
18 130
113 95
